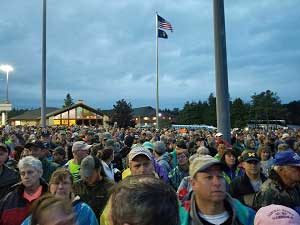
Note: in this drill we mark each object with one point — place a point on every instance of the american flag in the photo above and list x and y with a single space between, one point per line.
163 24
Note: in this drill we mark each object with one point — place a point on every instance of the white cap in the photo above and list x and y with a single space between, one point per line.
285 135
139 151
219 134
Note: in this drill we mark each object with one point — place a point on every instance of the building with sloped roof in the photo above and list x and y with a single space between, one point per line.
79 114
144 116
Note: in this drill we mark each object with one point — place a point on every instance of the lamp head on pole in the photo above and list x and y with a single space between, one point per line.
6 68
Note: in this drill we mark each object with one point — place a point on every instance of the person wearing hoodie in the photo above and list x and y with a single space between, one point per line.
60 186
209 203
161 156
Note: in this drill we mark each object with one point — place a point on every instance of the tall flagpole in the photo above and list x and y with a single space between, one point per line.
157 96
43 100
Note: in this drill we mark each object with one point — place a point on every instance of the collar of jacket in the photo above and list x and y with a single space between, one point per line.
194 211
245 178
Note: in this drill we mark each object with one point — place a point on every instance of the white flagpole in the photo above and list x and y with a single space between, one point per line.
157 97
44 72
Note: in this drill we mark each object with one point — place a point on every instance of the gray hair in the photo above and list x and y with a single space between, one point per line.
32 162
203 151
279 168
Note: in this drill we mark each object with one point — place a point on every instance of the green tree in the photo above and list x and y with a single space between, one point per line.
16 112
211 110
293 109
199 112
191 113
267 106
239 113
122 114
68 101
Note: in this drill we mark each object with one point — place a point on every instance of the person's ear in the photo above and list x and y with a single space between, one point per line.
40 173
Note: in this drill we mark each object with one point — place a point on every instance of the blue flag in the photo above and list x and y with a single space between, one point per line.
162 34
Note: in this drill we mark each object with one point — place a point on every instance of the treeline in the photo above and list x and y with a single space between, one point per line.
263 106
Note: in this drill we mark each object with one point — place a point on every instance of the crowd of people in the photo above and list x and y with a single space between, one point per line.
114 176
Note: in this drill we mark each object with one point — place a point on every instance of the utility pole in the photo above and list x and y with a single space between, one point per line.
222 94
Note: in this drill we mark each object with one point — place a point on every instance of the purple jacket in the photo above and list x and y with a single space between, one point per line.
161 172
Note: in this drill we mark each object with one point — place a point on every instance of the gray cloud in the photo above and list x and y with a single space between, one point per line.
102 51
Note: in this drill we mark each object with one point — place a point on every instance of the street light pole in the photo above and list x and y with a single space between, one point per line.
7 86
6 69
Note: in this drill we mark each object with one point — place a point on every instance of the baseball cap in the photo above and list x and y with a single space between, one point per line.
140 150
159 147
249 156
276 215
148 133
60 150
3 147
74 135
110 143
285 135
80 145
219 134
202 163
287 158
106 136
148 145
88 165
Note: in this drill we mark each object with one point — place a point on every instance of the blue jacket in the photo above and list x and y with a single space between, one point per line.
84 215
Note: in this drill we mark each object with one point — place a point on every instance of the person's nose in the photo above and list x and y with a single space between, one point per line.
142 169
217 181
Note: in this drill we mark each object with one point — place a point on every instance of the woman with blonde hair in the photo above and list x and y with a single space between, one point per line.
266 159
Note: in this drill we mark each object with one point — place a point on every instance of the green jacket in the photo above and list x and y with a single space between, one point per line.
95 196
240 214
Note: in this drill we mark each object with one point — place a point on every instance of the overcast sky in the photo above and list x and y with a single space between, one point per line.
103 51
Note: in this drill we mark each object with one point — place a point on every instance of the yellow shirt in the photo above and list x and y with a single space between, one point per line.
104 217
126 173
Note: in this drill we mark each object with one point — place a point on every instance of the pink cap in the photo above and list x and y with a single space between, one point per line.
276 215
